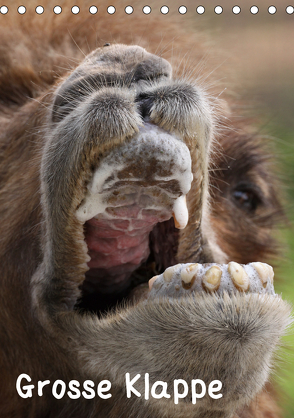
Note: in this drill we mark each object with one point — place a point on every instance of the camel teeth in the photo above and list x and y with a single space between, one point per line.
239 276
170 272
151 281
188 275
180 212
212 278
265 272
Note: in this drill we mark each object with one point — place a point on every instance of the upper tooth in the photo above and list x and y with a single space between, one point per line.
265 272
239 276
212 278
180 212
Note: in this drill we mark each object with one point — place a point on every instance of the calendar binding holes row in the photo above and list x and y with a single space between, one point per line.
147 10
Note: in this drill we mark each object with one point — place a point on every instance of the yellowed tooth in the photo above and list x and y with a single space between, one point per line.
265 272
239 276
262 271
188 275
180 212
212 278
170 272
151 281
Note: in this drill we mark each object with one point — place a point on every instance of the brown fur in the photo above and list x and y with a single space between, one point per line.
42 250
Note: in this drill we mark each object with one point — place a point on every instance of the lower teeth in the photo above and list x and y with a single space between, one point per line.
177 280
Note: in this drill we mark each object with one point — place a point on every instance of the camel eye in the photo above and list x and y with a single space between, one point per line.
246 199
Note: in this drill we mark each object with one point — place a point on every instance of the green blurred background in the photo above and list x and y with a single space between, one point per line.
259 52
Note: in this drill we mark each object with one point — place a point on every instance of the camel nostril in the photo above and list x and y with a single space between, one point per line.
144 105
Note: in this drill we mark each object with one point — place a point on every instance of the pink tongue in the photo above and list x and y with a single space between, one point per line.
117 244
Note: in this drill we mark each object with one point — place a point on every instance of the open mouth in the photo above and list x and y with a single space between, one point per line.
133 209
127 213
